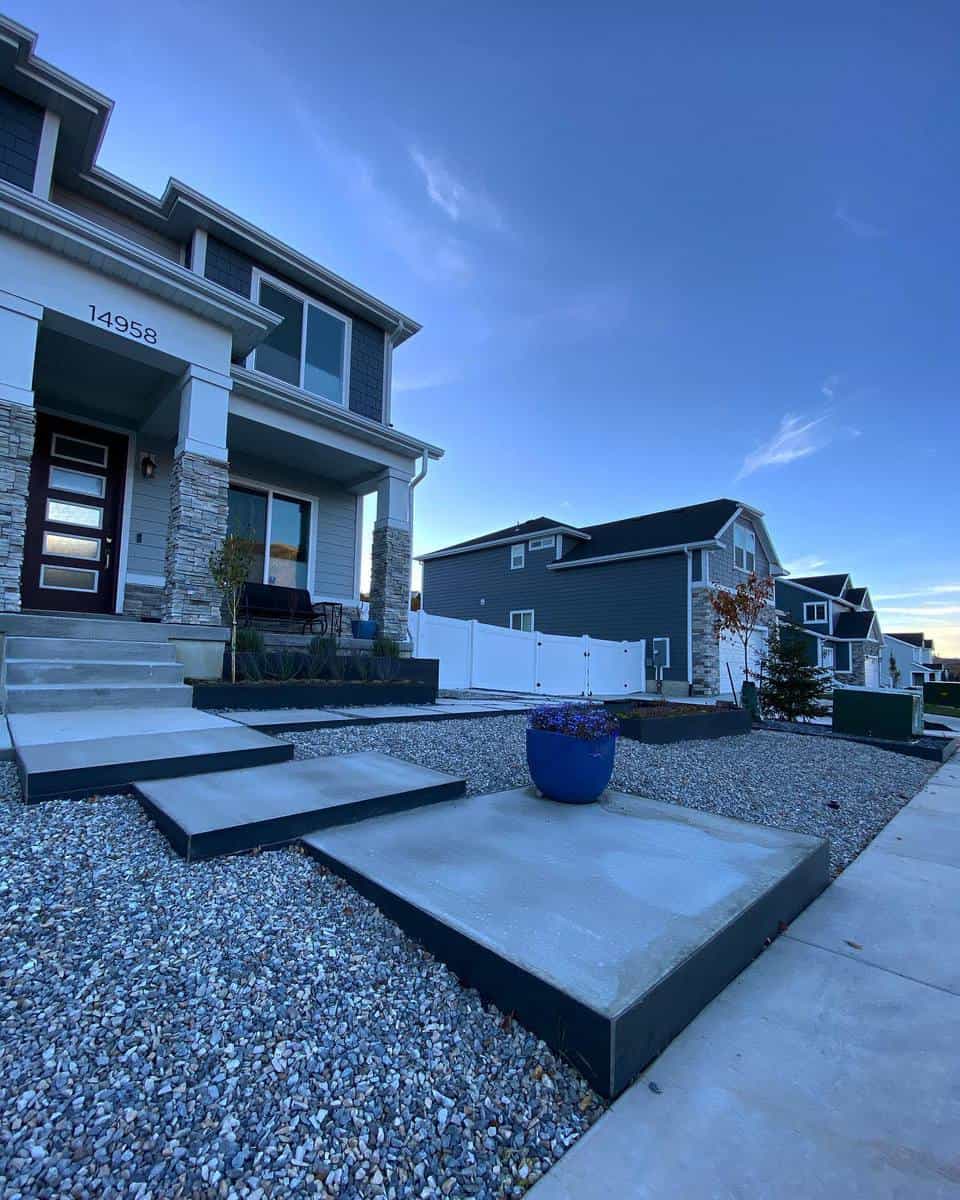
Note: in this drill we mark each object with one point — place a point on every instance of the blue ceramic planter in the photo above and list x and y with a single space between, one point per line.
363 629
571 770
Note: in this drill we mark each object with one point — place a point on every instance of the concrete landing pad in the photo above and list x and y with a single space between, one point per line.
281 720
604 928
230 811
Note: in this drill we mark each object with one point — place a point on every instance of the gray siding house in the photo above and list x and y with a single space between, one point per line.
643 577
171 372
837 622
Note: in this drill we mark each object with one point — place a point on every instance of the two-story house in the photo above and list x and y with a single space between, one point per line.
643 577
909 660
170 372
837 622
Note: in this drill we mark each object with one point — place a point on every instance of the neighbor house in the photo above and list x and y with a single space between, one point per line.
837 623
909 659
170 372
643 577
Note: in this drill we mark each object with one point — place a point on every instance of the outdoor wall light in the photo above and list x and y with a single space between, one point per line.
148 466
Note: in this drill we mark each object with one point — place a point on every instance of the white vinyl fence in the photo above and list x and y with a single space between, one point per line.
506 660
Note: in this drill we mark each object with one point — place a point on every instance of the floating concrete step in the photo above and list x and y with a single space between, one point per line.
231 811
87 628
87 649
605 928
79 768
54 697
91 671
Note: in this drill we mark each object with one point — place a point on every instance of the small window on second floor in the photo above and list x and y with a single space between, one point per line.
310 348
815 612
744 548
517 557
542 543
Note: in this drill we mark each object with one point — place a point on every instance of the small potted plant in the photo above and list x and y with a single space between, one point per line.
570 749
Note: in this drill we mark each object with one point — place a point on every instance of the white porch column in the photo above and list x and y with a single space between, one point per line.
390 568
198 499
19 321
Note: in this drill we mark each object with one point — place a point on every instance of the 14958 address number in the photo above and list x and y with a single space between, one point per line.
121 324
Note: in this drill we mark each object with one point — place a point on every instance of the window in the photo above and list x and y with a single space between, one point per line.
522 619
815 612
279 527
660 651
65 545
68 579
78 450
827 656
62 479
542 543
74 514
744 548
310 348
517 557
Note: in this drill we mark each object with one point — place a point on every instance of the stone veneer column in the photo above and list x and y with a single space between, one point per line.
17 426
199 483
390 568
704 644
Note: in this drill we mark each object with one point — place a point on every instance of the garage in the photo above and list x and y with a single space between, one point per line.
731 660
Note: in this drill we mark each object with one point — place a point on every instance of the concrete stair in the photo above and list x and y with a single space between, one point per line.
70 663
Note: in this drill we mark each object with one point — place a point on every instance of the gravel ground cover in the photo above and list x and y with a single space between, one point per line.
843 791
248 1027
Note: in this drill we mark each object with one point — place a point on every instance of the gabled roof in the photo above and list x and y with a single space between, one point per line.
855 595
671 527
912 639
512 533
853 625
830 585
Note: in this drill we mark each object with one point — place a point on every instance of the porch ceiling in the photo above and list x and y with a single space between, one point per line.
254 438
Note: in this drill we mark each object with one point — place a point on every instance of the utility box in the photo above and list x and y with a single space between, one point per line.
871 712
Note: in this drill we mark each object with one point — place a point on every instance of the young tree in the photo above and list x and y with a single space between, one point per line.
894 672
737 614
230 566
792 686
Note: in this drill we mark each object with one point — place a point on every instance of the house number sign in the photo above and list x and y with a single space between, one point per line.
122 324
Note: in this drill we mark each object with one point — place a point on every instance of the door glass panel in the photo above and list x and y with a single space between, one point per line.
247 517
289 542
279 354
65 545
65 480
74 514
323 368
79 450
71 579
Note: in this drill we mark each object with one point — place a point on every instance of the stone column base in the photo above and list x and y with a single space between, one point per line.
17 429
705 645
390 581
198 524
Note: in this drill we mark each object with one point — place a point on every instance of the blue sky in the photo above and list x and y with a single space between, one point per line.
661 252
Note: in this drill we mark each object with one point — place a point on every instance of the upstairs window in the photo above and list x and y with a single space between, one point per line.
815 612
744 548
310 348
542 543
517 557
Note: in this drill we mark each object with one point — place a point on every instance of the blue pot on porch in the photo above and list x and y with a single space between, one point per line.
569 769
363 629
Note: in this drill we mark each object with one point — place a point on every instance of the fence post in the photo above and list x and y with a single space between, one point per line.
415 631
586 666
536 661
471 651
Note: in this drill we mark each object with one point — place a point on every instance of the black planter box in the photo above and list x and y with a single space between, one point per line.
420 678
725 722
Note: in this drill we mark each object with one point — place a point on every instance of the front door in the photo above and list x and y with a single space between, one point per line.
73 517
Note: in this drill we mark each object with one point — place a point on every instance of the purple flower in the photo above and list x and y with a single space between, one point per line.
590 722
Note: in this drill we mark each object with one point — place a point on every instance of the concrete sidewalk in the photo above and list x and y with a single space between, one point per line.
831 1066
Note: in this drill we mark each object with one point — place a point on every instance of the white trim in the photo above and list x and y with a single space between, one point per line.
690 611
258 277
652 553
46 154
198 252
522 612
567 530
143 579
270 491
667 665
815 604
518 564
358 546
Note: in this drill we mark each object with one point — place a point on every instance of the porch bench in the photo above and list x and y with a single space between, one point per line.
263 602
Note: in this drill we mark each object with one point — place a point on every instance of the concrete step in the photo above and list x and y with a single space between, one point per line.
82 649
231 811
81 768
57 697
92 628
44 671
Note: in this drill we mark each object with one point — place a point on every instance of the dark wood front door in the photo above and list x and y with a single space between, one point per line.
73 517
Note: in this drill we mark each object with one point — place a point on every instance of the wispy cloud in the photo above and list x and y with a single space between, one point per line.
921 610
461 202
796 437
856 226
937 589
829 386
807 564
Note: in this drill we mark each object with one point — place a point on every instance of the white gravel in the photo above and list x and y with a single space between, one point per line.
248 1027
780 779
